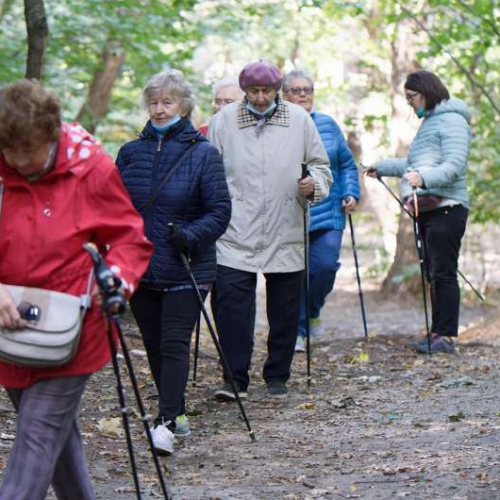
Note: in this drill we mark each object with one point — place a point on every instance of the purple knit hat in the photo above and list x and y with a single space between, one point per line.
260 73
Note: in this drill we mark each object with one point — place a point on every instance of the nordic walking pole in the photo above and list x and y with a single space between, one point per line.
305 173
114 306
196 350
358 277
401 204
421 258
227 370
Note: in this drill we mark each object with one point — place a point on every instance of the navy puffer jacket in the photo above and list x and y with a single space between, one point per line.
196 199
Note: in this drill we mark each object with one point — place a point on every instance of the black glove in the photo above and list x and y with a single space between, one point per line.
179 242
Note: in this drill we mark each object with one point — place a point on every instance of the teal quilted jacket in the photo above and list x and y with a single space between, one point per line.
439 153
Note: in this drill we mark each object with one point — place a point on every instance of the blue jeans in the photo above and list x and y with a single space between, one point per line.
324 253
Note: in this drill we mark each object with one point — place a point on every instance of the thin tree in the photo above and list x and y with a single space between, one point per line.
38 34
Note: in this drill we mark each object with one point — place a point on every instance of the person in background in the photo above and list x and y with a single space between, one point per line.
225 91
436 168
195 199
263 140
60 190
327 217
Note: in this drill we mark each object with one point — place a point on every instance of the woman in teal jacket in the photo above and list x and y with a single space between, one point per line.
436 167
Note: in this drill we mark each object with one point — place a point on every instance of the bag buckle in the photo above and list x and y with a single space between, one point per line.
29 311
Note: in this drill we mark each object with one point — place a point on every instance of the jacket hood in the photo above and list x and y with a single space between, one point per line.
452 106
183 131
77 150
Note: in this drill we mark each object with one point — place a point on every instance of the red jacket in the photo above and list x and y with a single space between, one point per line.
43 226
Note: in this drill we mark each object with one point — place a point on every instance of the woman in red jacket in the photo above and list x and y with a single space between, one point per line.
60 190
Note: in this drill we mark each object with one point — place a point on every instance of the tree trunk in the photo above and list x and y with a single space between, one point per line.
96 104
401 277
38 33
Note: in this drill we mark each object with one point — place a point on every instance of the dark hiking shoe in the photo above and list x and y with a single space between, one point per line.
439 343
422 342
277 390
225 393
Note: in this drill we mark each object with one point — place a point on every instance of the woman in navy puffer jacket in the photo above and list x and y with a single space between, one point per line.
436 167
327 217
196 199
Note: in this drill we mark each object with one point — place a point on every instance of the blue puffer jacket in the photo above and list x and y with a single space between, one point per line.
329 214
439 152
196 199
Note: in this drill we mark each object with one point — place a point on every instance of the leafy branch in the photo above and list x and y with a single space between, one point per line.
462 68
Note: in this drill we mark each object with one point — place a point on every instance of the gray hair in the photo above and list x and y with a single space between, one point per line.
296 73
173 83
227 81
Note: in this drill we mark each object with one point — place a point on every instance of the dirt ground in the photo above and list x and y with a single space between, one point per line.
378 421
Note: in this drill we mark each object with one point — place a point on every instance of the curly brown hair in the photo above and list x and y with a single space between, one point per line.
29 114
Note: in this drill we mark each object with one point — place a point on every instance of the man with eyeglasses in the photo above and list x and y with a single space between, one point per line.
226 91
263 140
328 217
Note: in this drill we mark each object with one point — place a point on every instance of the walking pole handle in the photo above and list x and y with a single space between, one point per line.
172 230
415 201
305 172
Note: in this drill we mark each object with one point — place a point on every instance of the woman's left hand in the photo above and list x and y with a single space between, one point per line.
349 203
414 179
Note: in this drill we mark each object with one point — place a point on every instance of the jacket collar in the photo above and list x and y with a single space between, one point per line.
182 131
280 117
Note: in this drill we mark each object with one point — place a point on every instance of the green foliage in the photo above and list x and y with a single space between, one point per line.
154 33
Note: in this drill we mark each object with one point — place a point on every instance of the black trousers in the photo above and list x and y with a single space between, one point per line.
166 321
235 319
442 231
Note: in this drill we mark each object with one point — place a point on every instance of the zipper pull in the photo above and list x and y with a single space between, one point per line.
159 144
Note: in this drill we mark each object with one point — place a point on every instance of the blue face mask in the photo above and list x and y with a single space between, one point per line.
420 112
161 129
262 114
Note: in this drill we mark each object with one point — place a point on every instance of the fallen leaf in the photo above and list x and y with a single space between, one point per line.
110 427
307 406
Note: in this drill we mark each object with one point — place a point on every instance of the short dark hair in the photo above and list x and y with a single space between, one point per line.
429 85
28 113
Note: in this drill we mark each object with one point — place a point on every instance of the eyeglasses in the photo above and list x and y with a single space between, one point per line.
299 90
223 102
410 97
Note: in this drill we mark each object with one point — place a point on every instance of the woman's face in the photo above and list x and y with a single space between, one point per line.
163 107
301 92
260 96
415 99
27 159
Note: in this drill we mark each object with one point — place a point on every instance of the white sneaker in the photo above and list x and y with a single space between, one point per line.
163 439
300 344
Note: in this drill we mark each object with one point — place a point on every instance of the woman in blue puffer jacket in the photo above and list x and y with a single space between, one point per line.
173 175
436 167
327 217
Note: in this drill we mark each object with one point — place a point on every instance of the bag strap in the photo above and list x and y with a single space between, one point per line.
167 176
